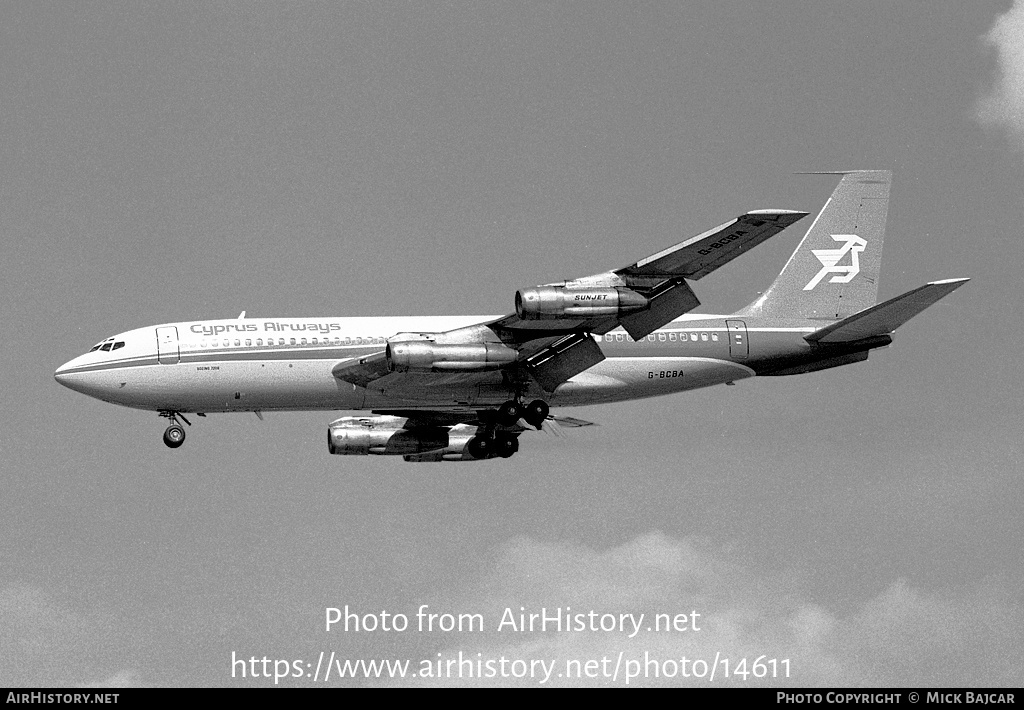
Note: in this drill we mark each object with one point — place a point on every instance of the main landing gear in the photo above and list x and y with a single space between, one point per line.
490 444
495 440
533 413
174 436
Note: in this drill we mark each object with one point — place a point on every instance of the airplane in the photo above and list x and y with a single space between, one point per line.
464 388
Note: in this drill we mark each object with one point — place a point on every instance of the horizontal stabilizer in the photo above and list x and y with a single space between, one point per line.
885 317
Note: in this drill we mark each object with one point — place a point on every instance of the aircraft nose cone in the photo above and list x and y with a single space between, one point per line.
70 376
61 375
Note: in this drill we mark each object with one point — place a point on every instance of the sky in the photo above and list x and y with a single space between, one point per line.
165 162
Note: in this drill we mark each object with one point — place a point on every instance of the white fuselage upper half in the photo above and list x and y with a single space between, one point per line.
253 364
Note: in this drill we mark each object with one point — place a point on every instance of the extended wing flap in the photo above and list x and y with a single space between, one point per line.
563 359
668 302
885 317
699 256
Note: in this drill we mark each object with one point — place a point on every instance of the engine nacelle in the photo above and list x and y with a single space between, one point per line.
458 438
428 356
382 436
552 302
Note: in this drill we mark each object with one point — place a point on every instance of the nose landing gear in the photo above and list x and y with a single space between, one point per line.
174 436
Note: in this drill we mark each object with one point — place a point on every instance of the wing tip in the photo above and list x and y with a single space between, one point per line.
942 282
839 172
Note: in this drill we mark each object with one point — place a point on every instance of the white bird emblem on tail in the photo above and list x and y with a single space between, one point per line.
830 257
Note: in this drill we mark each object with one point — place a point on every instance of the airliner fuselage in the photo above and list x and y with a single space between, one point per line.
286 364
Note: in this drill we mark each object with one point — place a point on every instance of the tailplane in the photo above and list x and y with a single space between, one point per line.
834 271
885 317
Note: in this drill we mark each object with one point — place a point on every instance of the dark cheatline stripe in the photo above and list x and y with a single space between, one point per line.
226 355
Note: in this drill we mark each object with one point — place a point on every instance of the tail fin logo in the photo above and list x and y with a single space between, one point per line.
829 259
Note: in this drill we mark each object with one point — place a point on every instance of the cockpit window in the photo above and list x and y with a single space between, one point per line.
107 345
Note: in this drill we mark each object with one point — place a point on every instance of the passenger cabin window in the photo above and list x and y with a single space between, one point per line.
704 337
714 336
661 337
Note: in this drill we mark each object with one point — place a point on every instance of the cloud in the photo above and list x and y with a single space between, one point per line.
1003 105
45 643
900 636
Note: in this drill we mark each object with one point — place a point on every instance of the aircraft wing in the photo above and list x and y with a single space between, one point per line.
699 256
660 279
371 371
549 337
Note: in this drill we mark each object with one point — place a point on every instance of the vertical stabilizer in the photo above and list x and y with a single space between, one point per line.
834 271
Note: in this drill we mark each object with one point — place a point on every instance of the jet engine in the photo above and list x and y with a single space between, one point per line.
464 444
458 438
382 436
553 302
428 356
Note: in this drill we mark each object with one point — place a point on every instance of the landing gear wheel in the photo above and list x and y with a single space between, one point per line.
510 412
480 447
536 412
174 436
505 447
